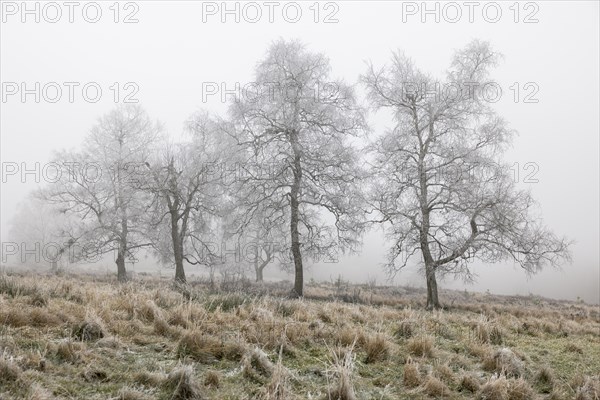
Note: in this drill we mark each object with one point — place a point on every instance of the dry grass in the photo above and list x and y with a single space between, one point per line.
182 384
88 337
377 348
420 346
411 375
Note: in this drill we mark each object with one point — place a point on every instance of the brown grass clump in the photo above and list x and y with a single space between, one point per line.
94 374
469 383
39 300
435 388
519 389
444 372
212 379
505 362
420 346
41 317
377 348
544 380
202 348
182 384
487 332
148 311
341 371
590 390
346 336
279 387
412 376
574 348
208 349
9 371
152 379
405 329
256 365
37 392
89 331
494 389
15 318
162 327
68 351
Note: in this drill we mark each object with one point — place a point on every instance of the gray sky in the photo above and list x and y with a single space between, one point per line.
170 52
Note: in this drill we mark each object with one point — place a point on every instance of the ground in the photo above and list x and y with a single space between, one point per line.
88 337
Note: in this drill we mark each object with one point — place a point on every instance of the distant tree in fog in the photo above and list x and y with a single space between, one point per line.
100 183
186 185
434 187
297 123
42 233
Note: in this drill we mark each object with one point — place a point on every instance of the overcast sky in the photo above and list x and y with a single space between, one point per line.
175 47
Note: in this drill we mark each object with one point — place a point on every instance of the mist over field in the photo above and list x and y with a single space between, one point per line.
331 200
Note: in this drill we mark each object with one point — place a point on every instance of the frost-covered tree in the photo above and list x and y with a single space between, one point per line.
440 182
100 183
298 124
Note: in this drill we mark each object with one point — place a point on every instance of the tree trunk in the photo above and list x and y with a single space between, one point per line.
177 250
298 290
259 274
121 271
432 291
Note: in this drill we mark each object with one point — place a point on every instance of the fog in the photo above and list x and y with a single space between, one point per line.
171 55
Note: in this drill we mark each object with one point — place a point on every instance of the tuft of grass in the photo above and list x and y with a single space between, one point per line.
9 371
279 387
469 383
405 329
68 351
435 387
504 362
411 375
341 371
212 379
544 380
420 346
519 389
377 348
182 385
256 365
494 389
590 390
151 379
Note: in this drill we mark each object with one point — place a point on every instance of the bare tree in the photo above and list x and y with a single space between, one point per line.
298 124
440 183
185 181
99 184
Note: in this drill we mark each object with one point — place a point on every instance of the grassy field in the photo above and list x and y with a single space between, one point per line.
87 337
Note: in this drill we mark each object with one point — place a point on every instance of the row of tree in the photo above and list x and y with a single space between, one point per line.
289 171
